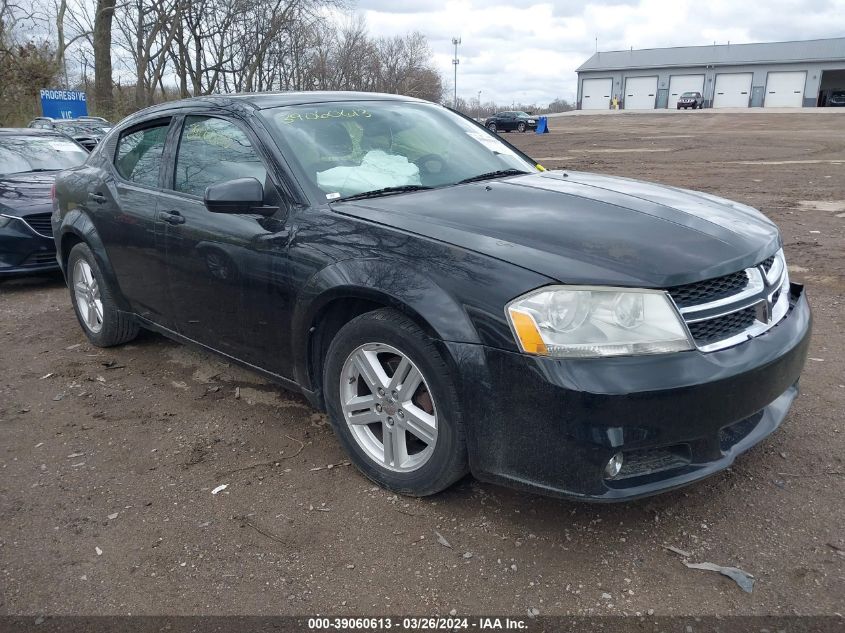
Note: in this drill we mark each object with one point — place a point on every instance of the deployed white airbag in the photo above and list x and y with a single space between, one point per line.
377 170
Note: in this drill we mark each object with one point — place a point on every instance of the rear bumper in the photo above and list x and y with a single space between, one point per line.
552 425
24 252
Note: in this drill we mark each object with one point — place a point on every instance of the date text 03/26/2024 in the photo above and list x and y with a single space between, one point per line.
418 624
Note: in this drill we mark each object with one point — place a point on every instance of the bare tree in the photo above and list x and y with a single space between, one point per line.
103 95
64 41
147 29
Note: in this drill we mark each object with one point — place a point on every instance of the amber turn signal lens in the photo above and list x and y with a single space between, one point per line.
527 333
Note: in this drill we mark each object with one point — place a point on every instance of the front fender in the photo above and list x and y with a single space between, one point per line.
385 282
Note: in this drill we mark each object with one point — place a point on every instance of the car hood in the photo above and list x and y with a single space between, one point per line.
586 228
26 193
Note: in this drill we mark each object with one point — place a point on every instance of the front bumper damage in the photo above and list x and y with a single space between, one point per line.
551 425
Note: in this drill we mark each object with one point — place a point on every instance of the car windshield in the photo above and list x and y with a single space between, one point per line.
523 114
355 148
22 153
689 94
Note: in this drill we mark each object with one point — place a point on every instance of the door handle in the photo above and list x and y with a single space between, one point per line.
98 198
171 217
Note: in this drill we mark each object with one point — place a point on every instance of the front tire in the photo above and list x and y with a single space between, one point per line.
492 127
94 303
393 405
520 128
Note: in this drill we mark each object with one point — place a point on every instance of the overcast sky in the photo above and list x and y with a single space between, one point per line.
528 51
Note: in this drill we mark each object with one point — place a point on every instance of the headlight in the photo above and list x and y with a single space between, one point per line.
587 322
5 220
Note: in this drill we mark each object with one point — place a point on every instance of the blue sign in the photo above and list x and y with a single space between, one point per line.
63 104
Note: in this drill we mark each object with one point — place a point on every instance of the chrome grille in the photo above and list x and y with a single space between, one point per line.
709 290
40 223
712 330
729 310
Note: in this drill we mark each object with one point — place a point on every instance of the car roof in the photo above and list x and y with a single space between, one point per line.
89 121
262 100
28 131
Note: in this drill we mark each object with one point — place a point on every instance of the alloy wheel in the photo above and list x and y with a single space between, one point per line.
87 294
388 407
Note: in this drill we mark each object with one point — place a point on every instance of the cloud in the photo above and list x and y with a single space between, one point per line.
528 50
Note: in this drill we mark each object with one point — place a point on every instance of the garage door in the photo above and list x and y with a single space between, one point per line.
640 93
595 94
732 90
785 90
679 84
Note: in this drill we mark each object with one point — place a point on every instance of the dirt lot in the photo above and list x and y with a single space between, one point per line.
108 457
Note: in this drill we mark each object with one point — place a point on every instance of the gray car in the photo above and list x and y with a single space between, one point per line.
87 131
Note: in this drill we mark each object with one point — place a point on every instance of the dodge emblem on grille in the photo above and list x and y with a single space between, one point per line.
764 311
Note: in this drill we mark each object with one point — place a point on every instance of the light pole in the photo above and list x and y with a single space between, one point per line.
455 62
479 104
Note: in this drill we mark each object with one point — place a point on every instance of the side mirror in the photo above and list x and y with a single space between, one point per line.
241 195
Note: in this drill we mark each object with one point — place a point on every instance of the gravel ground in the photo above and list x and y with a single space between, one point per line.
108 458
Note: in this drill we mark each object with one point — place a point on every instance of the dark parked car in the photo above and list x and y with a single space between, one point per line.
29 161
692 100
87 131
511 122
837 99
451 305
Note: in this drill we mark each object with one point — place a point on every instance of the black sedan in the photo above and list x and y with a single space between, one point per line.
29 161
511 121
454 307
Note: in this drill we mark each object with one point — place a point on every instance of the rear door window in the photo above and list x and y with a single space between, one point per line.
139 154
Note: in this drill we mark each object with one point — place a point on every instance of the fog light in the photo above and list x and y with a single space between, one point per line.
613 466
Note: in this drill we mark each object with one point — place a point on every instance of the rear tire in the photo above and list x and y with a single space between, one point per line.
409 440
93 301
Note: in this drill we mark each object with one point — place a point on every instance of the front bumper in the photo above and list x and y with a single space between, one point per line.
552 425
24 252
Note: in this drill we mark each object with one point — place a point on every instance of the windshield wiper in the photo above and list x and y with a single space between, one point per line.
493 174
386 191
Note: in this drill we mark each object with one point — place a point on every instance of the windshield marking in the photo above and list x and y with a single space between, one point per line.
329 114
